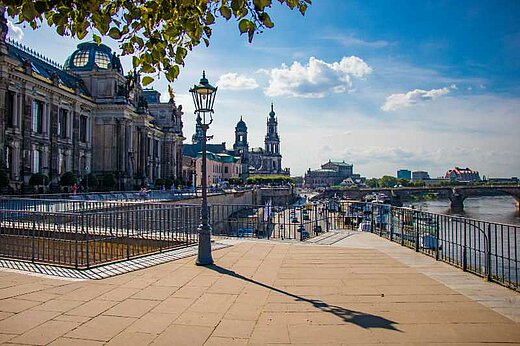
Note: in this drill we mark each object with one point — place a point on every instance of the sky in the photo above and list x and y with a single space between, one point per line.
384 85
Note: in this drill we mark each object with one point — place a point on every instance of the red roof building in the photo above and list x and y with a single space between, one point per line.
462 174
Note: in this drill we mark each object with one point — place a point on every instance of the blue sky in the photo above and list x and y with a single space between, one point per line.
424 85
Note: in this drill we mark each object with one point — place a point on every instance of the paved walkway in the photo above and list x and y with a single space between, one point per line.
361 290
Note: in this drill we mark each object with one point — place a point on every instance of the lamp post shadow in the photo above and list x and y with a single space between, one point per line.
361 319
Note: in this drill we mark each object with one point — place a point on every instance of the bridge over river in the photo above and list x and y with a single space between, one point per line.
456 194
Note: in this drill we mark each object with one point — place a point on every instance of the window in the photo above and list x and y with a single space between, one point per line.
37 116
81 59
61 163
36 161
83 121
62 123
102 59
156 148
226 169
8 157
11 99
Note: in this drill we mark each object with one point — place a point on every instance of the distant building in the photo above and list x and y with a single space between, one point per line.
404 174
420 175
462 174
220 167
331 173
264 161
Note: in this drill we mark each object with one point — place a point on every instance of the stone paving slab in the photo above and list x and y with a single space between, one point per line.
360 290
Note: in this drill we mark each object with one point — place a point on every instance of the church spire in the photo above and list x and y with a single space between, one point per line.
272 113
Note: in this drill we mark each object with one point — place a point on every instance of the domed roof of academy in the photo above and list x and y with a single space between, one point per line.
89 56
241 125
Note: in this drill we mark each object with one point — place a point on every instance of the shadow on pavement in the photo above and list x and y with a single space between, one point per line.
358 318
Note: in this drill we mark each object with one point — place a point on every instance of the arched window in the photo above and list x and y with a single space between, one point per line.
102 59
36 161
81 58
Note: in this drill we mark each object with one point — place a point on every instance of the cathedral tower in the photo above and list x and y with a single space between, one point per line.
273 158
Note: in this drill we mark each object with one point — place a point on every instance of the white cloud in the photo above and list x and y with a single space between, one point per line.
234 81
352 41
417 96
316 79
14 32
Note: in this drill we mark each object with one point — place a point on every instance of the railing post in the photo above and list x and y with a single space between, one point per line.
372 224
379 207
391 223
403 216
88 245
416 228
128 243
33 239
76 242
464 249
437 229
488 257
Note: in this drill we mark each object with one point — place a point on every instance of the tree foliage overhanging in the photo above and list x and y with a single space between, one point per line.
157 33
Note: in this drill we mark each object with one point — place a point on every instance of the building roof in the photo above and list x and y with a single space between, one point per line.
194 149
342 163
43 67
220 157
241 125
89 56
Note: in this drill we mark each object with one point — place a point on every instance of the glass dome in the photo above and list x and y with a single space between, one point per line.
89 56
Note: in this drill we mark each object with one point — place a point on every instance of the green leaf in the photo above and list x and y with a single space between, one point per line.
29 11
173 73
147 80
114 33
135 61
96 39
261 4
81 34
237 5
225 12
147 68
266 20
245 25
210 19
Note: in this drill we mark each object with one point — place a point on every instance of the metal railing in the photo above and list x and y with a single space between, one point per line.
487 249
83 234
84 240
292 222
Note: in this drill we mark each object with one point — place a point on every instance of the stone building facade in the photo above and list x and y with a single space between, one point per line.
219 168
331 173
86 116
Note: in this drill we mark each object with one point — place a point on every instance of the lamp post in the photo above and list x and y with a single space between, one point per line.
203 97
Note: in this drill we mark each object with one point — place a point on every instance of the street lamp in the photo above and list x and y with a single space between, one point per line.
203 97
